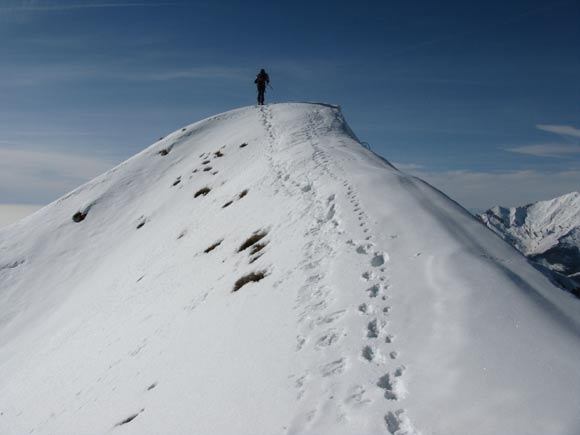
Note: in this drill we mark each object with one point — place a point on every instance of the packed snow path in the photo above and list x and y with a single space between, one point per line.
261 272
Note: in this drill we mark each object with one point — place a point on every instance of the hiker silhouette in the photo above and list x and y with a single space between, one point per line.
262 79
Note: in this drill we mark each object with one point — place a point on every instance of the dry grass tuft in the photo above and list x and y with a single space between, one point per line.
257 248
203 191
212 247
251 277
253 259
252 240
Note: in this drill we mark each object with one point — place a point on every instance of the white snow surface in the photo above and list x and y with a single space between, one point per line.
537 227
386 307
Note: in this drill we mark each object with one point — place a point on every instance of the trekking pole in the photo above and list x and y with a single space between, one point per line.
270 86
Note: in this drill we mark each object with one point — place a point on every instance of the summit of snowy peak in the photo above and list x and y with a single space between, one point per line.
261 272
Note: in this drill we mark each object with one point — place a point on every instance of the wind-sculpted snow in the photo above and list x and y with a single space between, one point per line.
261 272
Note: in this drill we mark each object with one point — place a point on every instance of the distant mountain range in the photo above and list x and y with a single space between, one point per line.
547 232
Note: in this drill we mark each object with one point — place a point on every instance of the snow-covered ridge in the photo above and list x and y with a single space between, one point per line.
548 232
261 272
535 228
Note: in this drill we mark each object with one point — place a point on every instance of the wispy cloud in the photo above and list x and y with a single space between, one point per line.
408 166
195 73
554 150
32 6
482 190
69 71
562 130
28 175
546 150
58 163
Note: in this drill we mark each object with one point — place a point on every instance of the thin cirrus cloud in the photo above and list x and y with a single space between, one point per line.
66 72
33 6
56 163
408 166
477 189
183 74
547 150
41 176
555 150
562 130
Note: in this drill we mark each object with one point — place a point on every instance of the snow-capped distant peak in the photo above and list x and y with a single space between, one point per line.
547 232
534 228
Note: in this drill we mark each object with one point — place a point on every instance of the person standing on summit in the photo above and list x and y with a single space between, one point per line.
262 79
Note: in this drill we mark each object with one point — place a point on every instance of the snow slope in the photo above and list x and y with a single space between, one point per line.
548 232
385 306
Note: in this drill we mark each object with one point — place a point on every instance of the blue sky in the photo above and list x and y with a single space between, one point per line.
482 99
